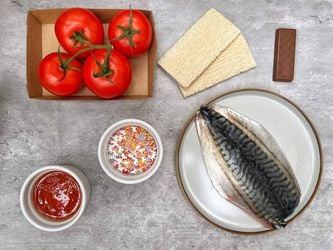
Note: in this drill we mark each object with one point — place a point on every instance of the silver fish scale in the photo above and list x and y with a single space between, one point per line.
285 189
248 177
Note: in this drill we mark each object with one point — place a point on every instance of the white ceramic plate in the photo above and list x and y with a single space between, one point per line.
289 126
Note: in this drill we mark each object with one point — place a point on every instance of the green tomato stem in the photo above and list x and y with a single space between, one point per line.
93 47
80 38
128 31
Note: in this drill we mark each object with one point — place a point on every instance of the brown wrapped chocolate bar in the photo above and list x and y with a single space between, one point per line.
284 55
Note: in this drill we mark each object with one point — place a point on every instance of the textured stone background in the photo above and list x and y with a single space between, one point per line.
155 215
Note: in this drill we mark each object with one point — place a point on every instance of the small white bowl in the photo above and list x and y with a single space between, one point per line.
114 173
38 220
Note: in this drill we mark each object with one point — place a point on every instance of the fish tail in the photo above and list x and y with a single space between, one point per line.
205 111
205 107
279 223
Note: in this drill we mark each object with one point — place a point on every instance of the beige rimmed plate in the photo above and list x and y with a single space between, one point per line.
292 130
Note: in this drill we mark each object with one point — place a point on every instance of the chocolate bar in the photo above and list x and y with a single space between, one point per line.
284 55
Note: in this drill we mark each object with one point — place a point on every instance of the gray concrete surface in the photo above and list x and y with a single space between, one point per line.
155 215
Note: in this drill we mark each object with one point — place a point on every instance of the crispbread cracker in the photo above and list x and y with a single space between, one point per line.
235 59
199 47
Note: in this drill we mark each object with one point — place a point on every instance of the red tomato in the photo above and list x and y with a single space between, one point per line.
131 37
107 79
78 28
52 76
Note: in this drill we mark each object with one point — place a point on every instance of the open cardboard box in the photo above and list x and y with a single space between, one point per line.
41 40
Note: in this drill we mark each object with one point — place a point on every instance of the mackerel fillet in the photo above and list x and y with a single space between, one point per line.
246 166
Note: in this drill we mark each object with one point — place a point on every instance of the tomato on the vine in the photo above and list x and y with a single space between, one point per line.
78 28
58 78
130 32
107 73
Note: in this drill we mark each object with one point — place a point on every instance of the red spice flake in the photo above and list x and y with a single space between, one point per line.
132 150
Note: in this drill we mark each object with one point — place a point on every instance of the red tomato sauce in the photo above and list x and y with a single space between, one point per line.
56 195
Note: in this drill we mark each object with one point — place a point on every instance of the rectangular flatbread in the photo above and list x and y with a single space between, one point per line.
199 47
235 59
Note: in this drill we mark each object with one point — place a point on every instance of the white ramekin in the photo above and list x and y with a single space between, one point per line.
38 220
114 173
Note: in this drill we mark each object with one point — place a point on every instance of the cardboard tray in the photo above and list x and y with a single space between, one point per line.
41 40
